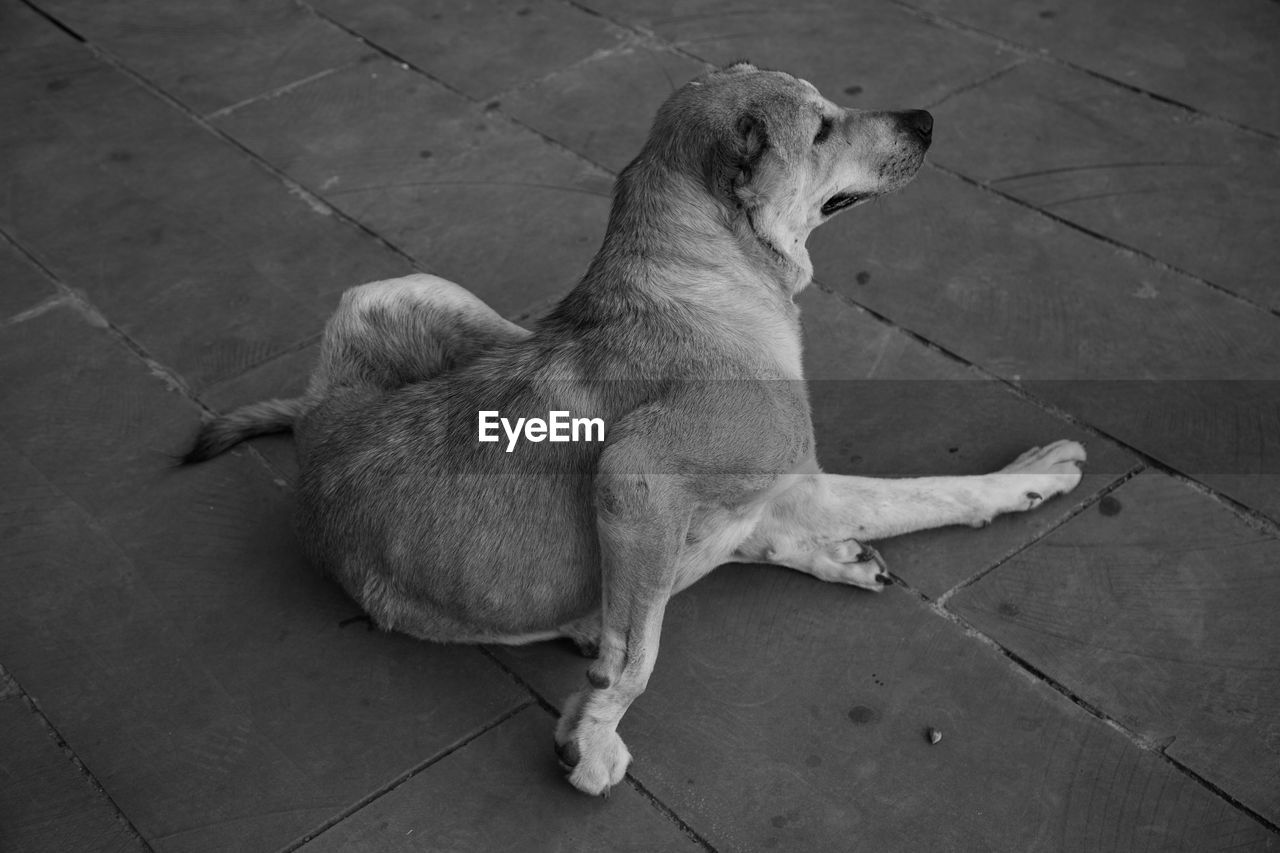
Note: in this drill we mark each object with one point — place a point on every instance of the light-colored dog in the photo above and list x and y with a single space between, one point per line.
683 339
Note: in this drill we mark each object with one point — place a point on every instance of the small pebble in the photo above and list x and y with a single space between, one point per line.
934 735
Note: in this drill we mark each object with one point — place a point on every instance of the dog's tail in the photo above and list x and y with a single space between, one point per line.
226 431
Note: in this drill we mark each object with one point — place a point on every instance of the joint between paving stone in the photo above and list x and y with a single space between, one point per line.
1156 747
542 702
670 814
1254 519
12 691
52 20
1086 503
1040 678
1045 55
405 777
1160 264
546 705
649 37
81 305
306 195
417 69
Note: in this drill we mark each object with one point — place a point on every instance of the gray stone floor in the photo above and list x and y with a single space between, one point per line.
1091 253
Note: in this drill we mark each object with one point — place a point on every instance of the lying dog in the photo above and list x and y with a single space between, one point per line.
683 339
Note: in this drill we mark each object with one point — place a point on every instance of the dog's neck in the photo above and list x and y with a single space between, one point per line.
670 243
660 218
784 246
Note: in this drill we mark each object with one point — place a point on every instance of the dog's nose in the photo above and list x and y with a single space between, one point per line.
919 122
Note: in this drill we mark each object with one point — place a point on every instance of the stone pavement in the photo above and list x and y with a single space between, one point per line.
1090 253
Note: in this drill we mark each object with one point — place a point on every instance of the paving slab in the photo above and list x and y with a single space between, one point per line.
1219 58
47 804
789 714
480 49
885 405
465 191
211 54
1198 194
504 791
164 226
1157 608
22 285
226 696
1033 300
869 55
620 91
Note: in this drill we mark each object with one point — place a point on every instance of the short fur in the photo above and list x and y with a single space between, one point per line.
684 338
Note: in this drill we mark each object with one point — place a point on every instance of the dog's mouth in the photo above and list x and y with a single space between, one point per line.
840 201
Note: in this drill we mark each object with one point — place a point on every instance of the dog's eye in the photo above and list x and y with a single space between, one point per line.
824 130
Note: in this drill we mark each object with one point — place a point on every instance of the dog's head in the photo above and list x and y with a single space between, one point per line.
770 145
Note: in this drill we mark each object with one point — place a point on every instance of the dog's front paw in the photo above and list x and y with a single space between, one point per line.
591 752
602 761
1043 472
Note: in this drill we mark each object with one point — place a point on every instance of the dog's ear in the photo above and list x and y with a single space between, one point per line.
734 157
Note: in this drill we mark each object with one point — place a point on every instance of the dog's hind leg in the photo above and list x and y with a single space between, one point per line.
818 524
389 333
384 334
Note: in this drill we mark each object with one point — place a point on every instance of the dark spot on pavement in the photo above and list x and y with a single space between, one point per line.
57 85
861 715
813 761
523 12
1048 13
862 277
1110 505
852 90
120 156
1008 608
492 105
425 154
953 450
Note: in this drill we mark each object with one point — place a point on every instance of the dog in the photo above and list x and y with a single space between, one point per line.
682 340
